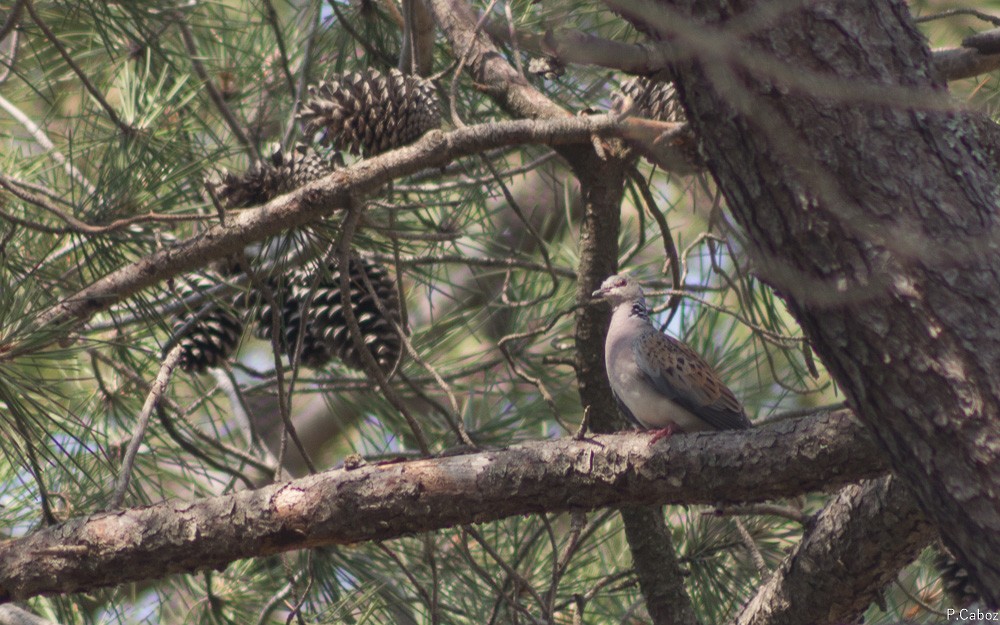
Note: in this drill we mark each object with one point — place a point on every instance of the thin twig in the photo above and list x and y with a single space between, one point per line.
272 20
8 52
235 126
763 509
453 87
986 17
367 45
751 546
156 391
43 140
406 571
505 262
478 181
371 366
211 441
89 86
522 583
502 595
262 287
13 17
530 227
305 70
669 246
82 227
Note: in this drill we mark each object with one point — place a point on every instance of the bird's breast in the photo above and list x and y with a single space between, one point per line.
648 405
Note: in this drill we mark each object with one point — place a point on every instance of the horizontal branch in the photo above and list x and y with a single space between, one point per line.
315 201
780 459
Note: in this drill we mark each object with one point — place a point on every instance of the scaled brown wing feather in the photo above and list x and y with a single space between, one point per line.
682 376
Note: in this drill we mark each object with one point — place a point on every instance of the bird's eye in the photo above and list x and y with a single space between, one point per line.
620 282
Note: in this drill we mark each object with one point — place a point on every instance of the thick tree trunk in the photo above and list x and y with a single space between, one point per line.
878 222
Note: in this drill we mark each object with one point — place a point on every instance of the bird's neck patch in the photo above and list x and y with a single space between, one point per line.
639 310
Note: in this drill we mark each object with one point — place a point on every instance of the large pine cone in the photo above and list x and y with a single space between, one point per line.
371 288
267 179
323 326
211 338
368 112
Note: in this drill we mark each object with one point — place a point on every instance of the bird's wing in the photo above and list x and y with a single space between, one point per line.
682 376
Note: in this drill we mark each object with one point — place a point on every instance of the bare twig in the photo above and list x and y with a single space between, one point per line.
986 17
76 225
235 126
68 58
13 17
765 509
43 140
751 546
372 368
156 391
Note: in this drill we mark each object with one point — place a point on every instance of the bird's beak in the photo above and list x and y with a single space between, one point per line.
598 294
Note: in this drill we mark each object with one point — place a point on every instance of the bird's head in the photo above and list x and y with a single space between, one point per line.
619 288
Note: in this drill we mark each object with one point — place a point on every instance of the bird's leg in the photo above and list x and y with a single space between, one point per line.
666 432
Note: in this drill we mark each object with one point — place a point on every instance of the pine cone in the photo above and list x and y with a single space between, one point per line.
955 578
210 339
326 314
267 179
369 112
286 293
654 100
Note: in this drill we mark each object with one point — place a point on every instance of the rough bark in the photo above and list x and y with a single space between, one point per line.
857 545
877 221
396 499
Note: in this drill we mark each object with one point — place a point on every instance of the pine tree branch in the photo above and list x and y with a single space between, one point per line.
859 542
383 501
313 202
487 67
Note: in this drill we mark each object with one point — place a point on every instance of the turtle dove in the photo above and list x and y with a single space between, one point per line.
658 381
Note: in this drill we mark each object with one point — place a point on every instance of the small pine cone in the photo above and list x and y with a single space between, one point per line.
955 578
369 112
654 100
267 179
327 319
210 339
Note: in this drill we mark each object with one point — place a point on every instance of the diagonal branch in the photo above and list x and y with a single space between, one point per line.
858 544
395 499
313 202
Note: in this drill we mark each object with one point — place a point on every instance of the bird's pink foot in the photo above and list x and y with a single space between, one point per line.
666 432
